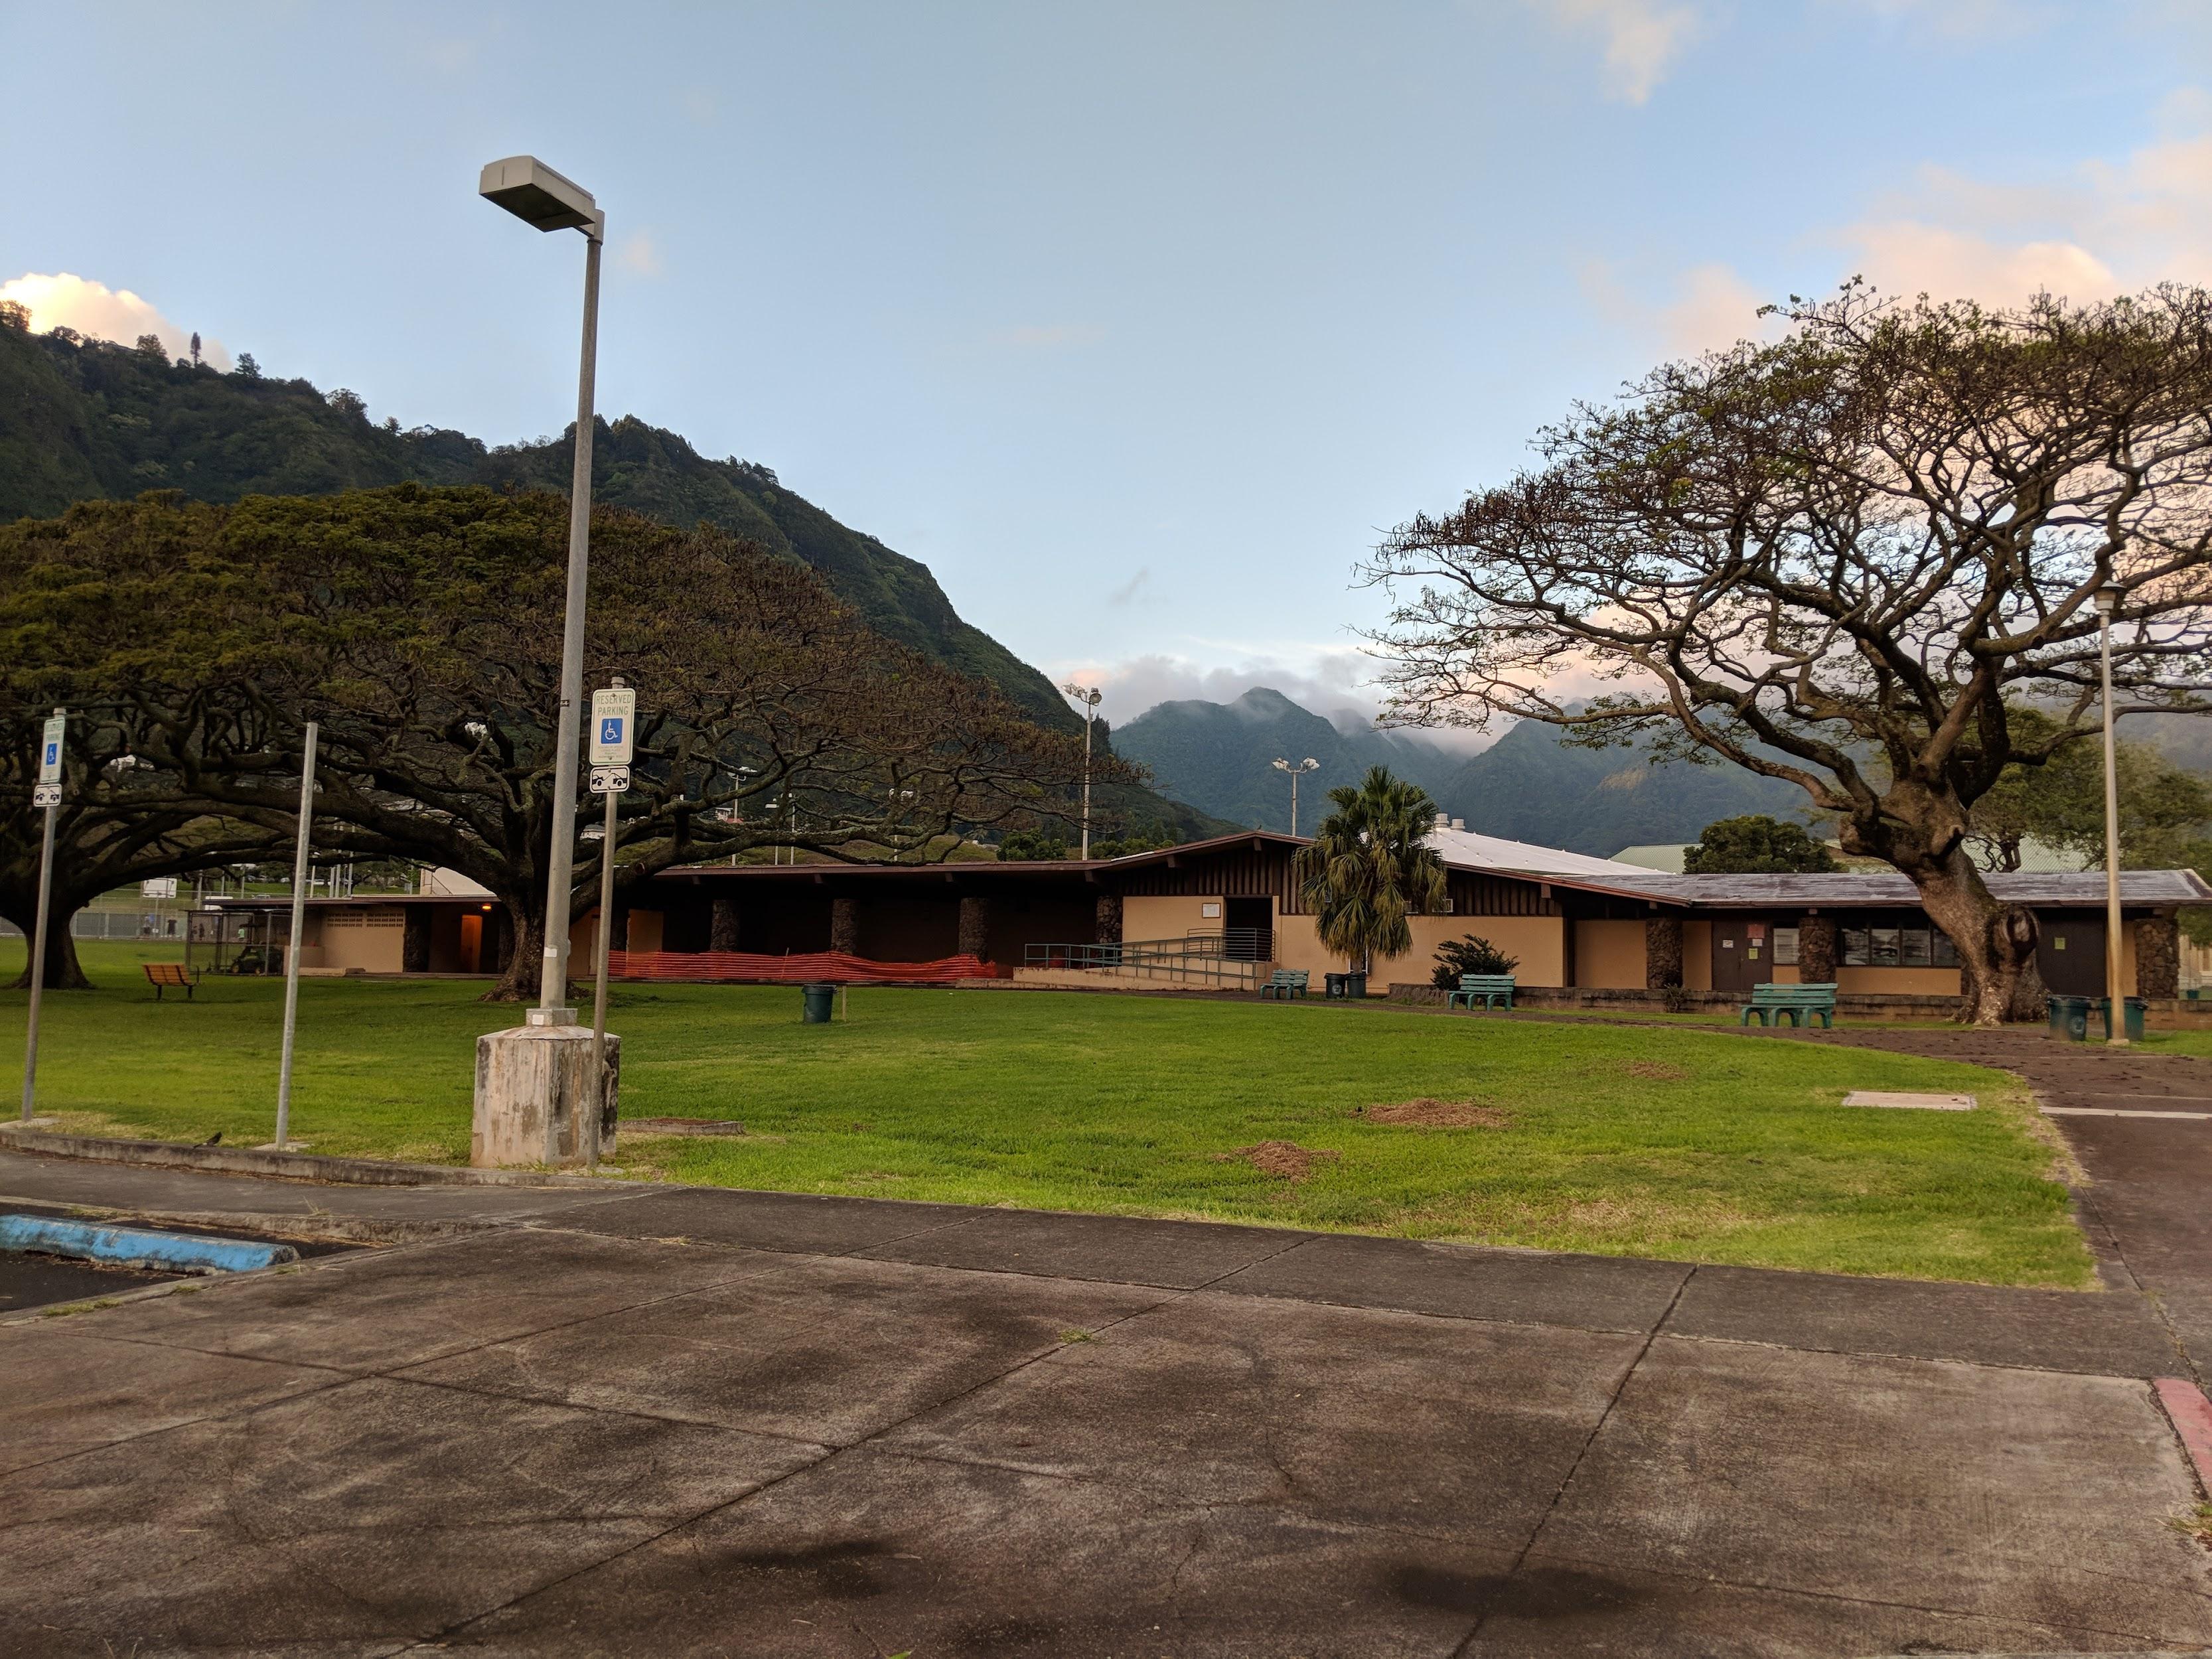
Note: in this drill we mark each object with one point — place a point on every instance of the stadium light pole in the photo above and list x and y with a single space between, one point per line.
1089 696
2108 599
1309 764
542 199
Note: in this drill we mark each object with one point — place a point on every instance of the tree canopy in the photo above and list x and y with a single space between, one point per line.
1843 560
1757 845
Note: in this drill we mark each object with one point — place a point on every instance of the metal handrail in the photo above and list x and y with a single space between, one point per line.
1197 957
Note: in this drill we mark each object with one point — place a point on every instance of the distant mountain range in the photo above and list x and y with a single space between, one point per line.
1527 786
85 420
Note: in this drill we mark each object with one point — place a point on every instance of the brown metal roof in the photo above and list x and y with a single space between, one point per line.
1885 888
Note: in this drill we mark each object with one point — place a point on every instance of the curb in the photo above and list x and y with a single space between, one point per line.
284 1166
2190 1413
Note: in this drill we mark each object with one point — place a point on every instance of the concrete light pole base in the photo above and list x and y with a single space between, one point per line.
534 1094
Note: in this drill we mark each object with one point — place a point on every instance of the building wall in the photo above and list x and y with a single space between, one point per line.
1540 942
368 938
1171 916
1609 955
1899 981
1697 956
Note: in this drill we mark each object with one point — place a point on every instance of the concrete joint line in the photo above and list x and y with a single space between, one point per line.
440 1639
1567 1480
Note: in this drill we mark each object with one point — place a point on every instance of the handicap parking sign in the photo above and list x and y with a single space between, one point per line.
50 750
613 718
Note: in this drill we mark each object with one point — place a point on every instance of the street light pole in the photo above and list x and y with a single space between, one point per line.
1309 764
49 793
2108 599
1088 696
539 196
301 847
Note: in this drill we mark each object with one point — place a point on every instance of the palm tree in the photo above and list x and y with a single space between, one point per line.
1368 868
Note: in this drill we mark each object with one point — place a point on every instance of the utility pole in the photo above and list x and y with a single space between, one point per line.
2108 599
299 877
1089 696
1309 764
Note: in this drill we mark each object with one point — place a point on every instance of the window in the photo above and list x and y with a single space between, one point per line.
1785 947
1897 947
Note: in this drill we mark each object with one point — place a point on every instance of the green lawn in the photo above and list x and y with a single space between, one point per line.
1645 1141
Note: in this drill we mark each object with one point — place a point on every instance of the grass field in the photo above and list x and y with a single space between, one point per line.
1641 1140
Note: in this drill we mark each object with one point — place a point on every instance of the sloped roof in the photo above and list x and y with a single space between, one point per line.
2037 887
1464 849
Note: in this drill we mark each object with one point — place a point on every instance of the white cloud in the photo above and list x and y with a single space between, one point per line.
1642 37
91 309
1707 308
639 254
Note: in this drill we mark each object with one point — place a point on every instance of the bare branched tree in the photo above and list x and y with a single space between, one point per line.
1834 559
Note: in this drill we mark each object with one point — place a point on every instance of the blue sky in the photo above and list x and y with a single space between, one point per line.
1136 323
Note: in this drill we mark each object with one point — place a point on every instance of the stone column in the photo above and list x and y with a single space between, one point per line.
619 933
722 931
974 926
1662 952
1108 928
534 1097
2157 957
1816 950
415 945
845 926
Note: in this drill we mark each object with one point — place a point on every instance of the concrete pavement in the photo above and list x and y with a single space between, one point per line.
686 1421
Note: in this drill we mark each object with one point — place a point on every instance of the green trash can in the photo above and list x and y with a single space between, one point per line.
1355 986
2069 1018
2133 1010
816 1002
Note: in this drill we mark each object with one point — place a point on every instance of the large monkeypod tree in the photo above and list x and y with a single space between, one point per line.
422 628
1846 559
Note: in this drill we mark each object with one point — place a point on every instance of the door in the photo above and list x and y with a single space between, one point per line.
1743 955
1249 925
2071 954
471 943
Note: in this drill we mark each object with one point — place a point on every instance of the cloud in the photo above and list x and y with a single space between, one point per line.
1642 37
91 309
1048 335
639 254
1707 308
1127 591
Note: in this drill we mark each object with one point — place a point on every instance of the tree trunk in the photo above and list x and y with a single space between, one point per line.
63 971
525 939
1997 980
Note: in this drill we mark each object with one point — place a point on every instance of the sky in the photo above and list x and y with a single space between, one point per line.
1139 324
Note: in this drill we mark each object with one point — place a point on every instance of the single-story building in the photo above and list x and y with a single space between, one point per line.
1224 911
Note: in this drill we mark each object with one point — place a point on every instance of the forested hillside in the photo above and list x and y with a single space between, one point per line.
86 419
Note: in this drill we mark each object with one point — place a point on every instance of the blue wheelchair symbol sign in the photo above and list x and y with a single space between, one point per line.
611 732
54 753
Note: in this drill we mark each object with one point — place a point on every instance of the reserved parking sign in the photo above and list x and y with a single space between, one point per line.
614 718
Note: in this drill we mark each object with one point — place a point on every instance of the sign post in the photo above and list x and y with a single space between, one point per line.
292 940
614 720
48 795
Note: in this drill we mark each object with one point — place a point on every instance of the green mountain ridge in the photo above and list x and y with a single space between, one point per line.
1528 786
82 420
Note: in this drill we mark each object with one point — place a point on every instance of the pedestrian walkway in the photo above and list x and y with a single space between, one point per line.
633 1419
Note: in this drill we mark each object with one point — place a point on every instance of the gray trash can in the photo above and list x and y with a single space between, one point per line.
2069 1018
816 1004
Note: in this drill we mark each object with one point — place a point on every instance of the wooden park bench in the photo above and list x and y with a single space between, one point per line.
1496 991
1770 1002
1285 982
163 974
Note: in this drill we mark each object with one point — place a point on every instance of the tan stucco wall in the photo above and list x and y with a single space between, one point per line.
1299 945
1539 941
645 930
1151 918
1609 955
1900 982
371 938
1697 956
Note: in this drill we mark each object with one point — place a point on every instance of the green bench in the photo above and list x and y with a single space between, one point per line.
1496 991
1771 1002
1285 982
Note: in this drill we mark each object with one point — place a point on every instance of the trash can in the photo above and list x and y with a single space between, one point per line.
2069 1018
816 1002
1332 986
1355 986
2132 1013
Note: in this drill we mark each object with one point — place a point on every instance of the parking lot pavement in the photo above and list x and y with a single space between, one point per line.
683 1421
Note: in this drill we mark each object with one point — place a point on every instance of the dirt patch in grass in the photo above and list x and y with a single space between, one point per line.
1284 1160
1428 1114
1655 1071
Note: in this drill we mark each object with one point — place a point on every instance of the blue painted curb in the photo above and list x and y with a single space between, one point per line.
130 1247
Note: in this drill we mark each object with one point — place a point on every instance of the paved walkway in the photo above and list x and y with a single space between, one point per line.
686 1421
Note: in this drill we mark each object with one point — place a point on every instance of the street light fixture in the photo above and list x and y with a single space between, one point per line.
2107 598
1089 696
1309 764
542 199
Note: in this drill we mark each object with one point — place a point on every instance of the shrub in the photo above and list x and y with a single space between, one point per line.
1471 955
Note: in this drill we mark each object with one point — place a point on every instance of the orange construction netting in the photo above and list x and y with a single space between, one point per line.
821 967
